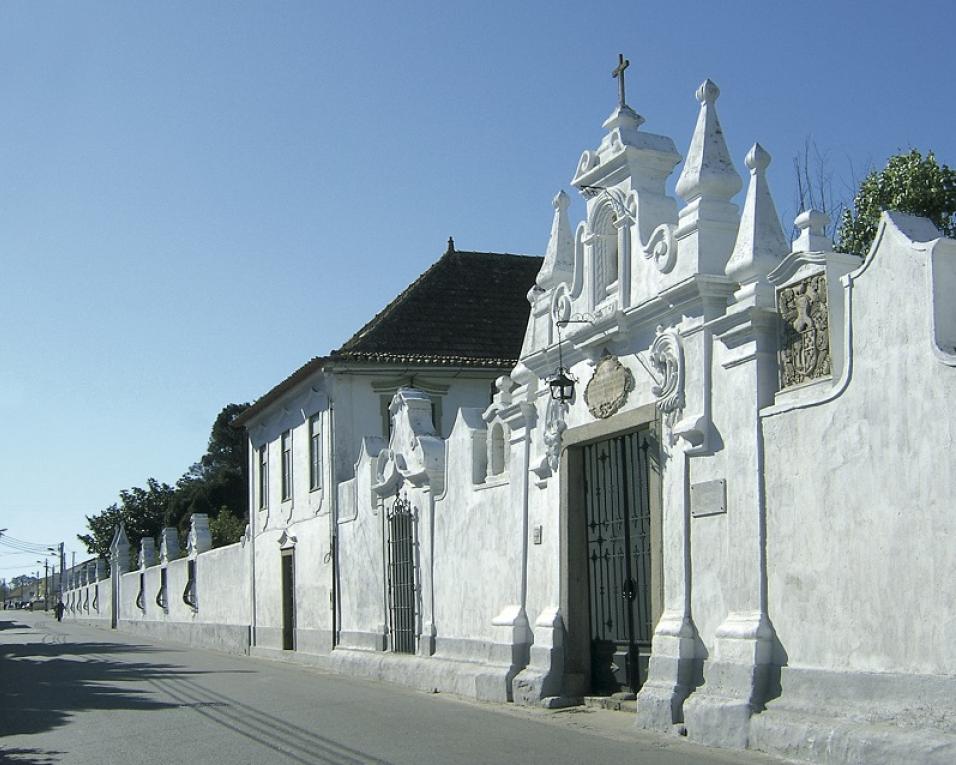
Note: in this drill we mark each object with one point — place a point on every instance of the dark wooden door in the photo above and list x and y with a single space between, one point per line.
288 600
618 533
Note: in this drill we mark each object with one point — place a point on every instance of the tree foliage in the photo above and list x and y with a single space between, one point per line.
226 528
142 510
213 485
909 183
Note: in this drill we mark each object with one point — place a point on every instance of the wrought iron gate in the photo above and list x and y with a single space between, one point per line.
618 518
402 593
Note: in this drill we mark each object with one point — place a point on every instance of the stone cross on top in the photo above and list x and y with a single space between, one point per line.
618 73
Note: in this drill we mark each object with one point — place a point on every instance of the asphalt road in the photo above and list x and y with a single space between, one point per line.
74 694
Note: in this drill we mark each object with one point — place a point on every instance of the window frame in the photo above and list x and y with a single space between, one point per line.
263 475
315 453
285 444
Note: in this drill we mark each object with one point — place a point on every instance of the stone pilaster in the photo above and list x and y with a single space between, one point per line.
147 552
169 545
674 663
200 538
735 674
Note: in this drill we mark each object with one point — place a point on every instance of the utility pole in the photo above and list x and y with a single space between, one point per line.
46 584
62 569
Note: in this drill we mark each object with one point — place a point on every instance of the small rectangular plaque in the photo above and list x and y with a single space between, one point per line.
537 534
708 498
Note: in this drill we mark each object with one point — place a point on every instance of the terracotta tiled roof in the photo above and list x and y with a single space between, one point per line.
468 310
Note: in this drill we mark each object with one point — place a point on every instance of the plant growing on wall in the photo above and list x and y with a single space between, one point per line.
910 183
226 528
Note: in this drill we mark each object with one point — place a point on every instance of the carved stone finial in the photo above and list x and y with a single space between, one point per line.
451 245
760 241
560 201
812 225
758 158
503 387
558 265
708 92
119 550
709 171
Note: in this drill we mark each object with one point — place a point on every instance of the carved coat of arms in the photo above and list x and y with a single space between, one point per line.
805 331
609 387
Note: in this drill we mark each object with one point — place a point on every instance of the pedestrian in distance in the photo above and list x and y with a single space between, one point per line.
58 609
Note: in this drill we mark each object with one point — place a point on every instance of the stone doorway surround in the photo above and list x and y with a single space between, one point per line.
574 572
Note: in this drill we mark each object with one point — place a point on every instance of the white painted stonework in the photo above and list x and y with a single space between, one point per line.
799 580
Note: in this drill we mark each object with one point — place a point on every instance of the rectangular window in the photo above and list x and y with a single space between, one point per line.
315 454
263 476
287 465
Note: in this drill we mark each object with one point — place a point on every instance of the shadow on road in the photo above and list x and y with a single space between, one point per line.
47 679
43 684
41 692
29 757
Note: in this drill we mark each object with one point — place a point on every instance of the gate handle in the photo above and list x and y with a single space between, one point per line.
628 590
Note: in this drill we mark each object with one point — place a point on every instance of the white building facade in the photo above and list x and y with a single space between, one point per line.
742 514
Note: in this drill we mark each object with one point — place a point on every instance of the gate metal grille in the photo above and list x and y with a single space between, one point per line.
617 514
402 594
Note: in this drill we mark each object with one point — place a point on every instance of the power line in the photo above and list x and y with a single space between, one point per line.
27 547
10 538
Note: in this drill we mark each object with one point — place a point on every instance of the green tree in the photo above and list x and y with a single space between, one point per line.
909 183
226 528
142 510
216 481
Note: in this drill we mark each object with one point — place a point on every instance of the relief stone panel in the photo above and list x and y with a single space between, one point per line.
804 331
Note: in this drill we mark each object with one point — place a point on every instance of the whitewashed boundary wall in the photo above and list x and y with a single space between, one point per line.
201 599
452 620
87 594
860 479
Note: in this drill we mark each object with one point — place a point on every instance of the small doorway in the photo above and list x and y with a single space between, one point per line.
288 600
614 564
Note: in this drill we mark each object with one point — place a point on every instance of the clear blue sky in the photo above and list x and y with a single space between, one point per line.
195 198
